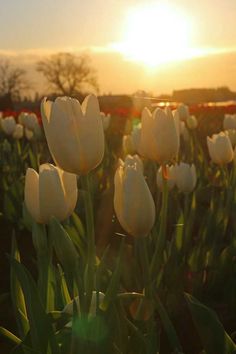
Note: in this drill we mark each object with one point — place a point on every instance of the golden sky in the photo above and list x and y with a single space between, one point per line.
159 45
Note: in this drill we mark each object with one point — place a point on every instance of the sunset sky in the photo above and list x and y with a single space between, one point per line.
151 45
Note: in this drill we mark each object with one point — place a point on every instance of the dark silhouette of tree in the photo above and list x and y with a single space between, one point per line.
68 74
13 81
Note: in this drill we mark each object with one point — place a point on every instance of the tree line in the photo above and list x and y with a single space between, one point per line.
65 73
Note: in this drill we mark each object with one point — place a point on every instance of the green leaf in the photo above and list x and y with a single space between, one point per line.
213 336
17 296
10 336
41 331
168 326
64 247
113 286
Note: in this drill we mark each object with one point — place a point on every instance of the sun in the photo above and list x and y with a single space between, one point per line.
155 33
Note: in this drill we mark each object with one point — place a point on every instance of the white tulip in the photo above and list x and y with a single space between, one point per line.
29 134
185 177
52 192
74 133
18 132
133 202
8 125
183 111
133 161
159 135
105 120
232 136
220 148
170 177
229 121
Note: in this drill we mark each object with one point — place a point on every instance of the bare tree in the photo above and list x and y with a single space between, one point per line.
13 81
68 74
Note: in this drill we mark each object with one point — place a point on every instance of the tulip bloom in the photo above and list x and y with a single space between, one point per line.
185 177
183 112
8 125
133 202
18 132
229 121
170 177
28 120
105 120
159 135
29 134
220 148
232 136
133 161
74 133
52 192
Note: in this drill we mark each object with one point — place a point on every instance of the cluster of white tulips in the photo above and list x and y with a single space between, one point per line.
170 251
27 126
221 146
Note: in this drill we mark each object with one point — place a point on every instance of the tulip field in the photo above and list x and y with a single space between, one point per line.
118 231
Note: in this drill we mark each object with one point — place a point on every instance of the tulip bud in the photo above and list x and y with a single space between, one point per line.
133 161
133 202
192 122
29 134
8 125
159 135
127 144
170 178
74 133
52 192
105 120
18 132
232 136
220 148
185 177
183 111
68 309
229 121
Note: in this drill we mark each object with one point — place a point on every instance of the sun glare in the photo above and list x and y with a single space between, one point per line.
155 33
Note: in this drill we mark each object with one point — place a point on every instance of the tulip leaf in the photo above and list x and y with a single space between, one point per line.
78 225
41 331
17 296
64 247
168 326
113 286
213 336
10 336
43 250
64 289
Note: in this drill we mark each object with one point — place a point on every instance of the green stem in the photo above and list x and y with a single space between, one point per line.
90 266
161 241
143 254
186 229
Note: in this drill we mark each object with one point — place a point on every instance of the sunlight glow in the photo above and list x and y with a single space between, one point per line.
156 33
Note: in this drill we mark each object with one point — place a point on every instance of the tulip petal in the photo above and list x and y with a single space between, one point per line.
69 182
51 194
32 194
